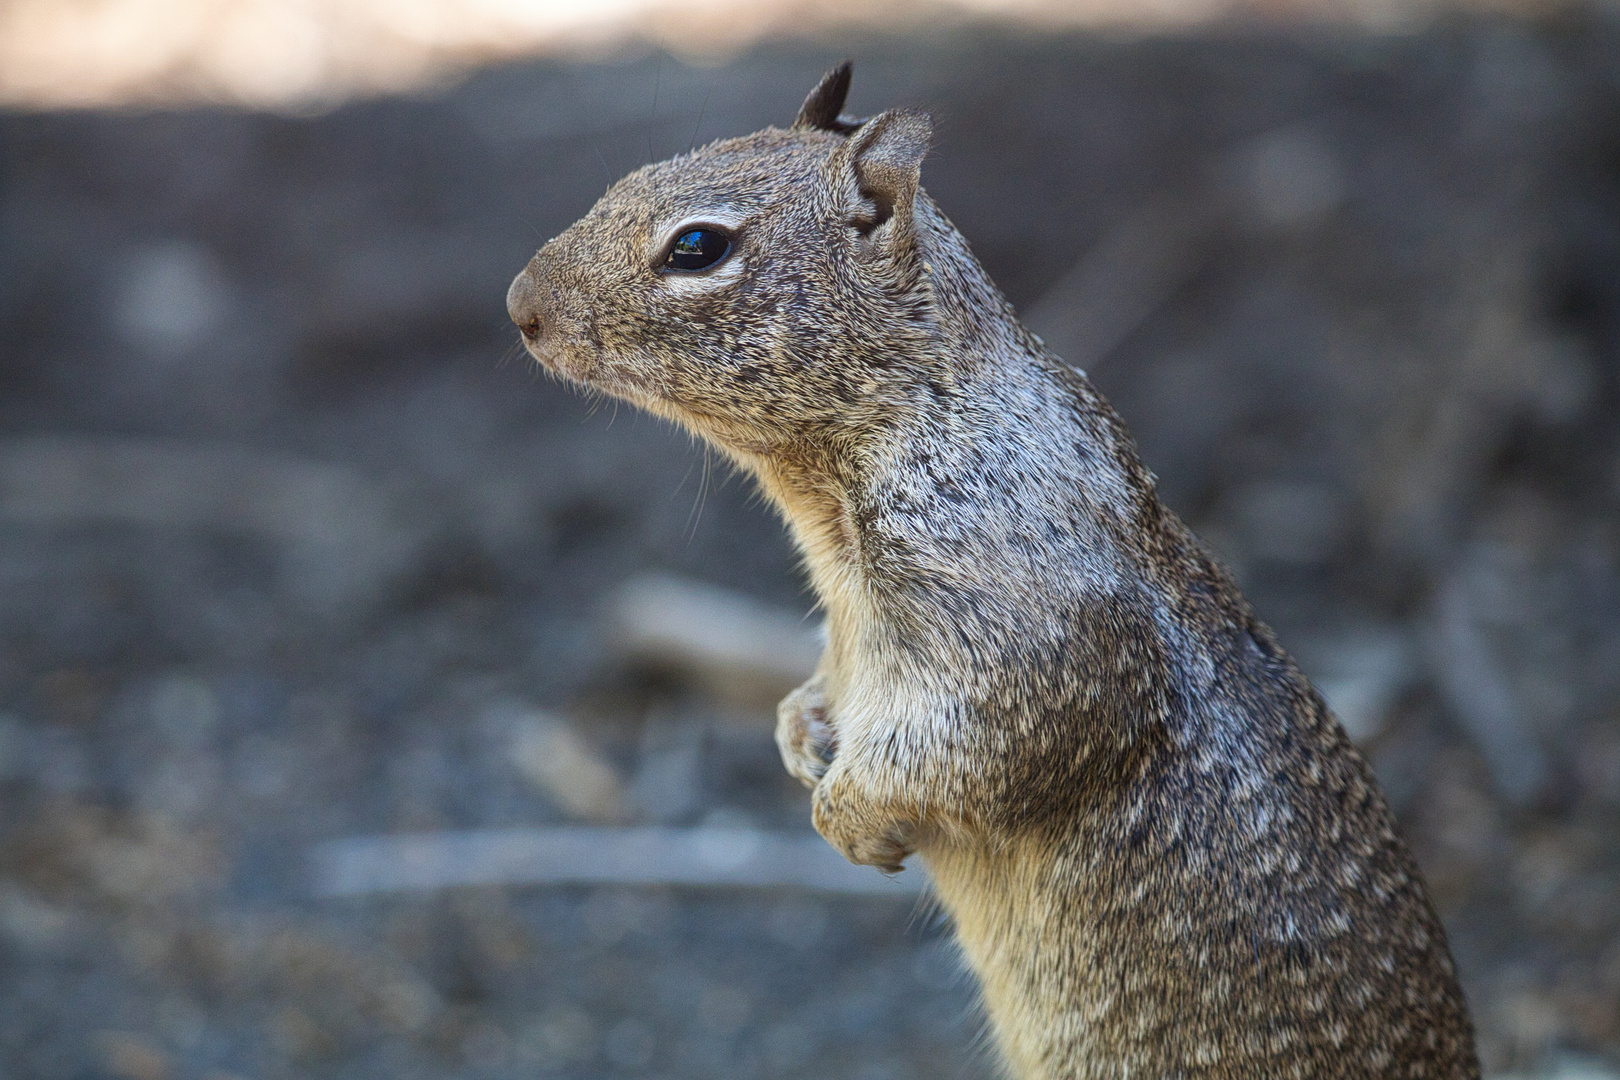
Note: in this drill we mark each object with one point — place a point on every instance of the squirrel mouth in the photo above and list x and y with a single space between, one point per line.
584 365
559 360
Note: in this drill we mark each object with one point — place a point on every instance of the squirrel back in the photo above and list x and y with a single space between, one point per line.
1161 853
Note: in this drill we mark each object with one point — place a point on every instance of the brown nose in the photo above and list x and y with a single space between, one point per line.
523 303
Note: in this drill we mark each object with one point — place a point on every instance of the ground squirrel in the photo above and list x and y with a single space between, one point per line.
1161 854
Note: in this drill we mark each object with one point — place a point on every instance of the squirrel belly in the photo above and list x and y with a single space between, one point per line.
1161 854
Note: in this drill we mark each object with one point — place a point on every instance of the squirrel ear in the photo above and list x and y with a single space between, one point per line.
820 111
886 156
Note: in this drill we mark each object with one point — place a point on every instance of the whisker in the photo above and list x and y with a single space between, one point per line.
695 518
510 353
699 123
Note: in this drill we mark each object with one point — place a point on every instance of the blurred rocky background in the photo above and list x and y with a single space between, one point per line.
297 550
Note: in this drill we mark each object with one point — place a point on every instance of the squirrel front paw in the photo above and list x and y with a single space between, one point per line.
849 823
803 735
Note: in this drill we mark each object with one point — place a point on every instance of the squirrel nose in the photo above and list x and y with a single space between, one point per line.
523 303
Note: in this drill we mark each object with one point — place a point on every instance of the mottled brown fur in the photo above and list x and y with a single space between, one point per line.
1162 856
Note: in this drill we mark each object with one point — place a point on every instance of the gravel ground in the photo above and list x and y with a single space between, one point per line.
289 533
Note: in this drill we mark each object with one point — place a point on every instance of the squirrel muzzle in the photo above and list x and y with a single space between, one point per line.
550 332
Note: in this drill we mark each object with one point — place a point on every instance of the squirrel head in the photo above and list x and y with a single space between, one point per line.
766 291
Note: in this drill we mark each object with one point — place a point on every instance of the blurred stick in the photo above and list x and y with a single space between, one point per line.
724 857
1281 179
1127 275
739 649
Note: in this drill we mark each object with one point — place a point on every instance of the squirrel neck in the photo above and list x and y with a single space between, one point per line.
999 456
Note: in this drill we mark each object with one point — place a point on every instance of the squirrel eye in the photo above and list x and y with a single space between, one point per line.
698 249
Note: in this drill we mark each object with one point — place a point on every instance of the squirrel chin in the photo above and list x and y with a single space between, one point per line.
583 368
550 357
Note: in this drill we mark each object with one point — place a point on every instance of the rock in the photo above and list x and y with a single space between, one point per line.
1286 177
173 297
553 757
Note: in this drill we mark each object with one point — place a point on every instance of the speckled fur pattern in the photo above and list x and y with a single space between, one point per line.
1162 856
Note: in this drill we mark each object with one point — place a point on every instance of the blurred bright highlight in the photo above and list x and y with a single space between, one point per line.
306 55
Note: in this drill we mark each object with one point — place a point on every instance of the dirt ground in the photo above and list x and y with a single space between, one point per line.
288 529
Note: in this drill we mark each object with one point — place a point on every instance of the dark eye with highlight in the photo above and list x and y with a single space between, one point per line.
698 249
